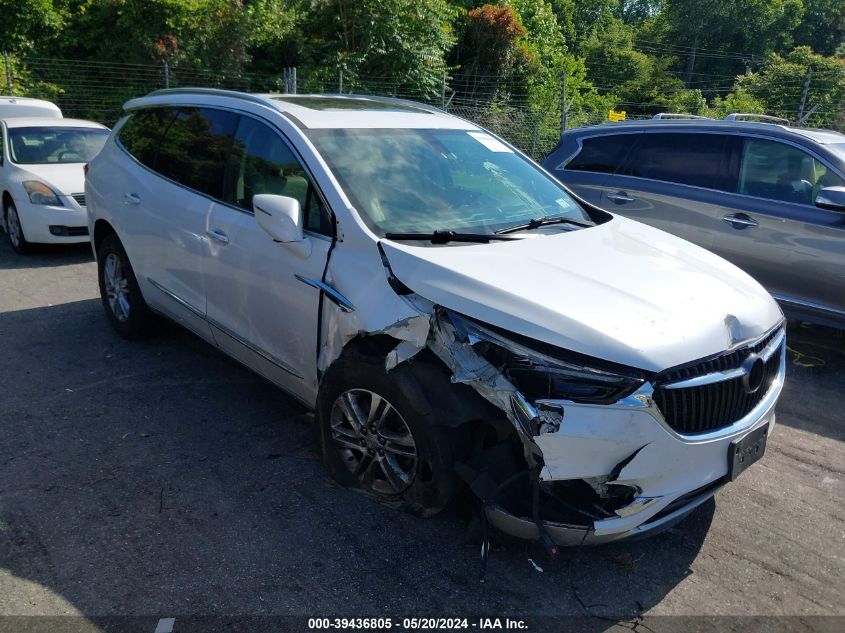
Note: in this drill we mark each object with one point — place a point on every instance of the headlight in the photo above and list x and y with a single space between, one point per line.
552 374
39 193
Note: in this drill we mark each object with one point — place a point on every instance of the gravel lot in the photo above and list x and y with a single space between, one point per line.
160 479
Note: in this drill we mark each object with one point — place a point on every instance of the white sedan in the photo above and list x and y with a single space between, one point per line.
42 178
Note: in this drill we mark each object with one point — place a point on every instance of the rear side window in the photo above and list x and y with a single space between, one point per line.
261 162
603 154
778 171
700 160
140 135
194 147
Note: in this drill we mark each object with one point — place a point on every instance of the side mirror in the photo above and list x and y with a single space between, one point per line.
831 198
281 219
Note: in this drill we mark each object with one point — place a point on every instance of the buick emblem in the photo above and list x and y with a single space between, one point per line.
754 369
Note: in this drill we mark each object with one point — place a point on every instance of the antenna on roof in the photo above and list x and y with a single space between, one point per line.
762 118
677 115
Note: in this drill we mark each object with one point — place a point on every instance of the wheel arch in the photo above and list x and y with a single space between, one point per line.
102 229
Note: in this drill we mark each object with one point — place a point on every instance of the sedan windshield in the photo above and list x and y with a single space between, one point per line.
43 145
422 181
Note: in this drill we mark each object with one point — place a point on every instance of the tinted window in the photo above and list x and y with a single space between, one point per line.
782 172
689 159
605 154
140 135
261 162
194 147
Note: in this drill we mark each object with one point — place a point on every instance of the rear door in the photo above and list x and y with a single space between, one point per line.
774 231
587 166
166 211
674 181
261 306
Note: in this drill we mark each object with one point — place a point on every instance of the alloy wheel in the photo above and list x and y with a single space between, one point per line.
373 441
116 286
14 226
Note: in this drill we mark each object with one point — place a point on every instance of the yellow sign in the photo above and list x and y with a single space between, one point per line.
613 115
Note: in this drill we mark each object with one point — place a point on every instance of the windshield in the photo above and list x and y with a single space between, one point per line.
412 180
43 145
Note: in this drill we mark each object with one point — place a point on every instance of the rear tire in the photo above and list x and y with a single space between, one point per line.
125 307
14 231
378 435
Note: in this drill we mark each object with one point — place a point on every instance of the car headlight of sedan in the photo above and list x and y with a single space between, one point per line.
39 193
549 373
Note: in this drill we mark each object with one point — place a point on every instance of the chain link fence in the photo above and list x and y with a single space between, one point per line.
97 90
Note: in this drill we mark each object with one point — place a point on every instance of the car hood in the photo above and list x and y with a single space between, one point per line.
621 291
65 179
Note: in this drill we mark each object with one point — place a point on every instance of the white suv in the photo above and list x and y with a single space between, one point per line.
449 310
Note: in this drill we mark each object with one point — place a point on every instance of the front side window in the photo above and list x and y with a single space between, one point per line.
424 180
602 154
778 171
262 163
194 148
55 145
699 160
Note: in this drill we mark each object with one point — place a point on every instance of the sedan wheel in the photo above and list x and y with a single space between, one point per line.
15 230
373 441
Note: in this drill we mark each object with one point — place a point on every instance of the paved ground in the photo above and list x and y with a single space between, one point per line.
161 479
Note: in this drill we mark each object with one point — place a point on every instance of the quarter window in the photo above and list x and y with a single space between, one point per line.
140 135
603 154
261 162
194 147
778 171
699 160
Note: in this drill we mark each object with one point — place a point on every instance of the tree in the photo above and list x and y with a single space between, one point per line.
28 24
779 85
822 26
401 42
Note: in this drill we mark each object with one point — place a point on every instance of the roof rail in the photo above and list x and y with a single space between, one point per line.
677 115
763 118
208 91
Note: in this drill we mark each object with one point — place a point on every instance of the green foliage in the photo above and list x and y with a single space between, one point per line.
778 86
403 42
740 100
687 102
27 24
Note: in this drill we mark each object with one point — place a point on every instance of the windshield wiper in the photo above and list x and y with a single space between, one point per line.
444 237
536 223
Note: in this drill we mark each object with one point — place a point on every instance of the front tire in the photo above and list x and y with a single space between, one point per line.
378 436
14 231
125 307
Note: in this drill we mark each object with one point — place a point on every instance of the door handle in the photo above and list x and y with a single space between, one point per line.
620 197
740 220
220 236
131 198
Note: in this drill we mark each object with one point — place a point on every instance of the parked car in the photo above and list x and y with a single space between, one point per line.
42 179
24 106
446 308
765 196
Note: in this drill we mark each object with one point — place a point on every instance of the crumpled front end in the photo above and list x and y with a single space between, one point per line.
595 472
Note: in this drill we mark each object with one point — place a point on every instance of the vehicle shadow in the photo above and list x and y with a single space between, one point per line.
815 373
43 255
159 477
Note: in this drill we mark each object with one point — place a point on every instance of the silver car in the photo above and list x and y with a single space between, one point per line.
768 197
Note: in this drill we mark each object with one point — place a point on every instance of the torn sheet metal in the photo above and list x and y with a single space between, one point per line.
413 332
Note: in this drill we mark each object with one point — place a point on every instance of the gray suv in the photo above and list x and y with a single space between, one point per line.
765 196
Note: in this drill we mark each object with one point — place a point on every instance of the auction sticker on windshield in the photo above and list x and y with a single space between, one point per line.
493 144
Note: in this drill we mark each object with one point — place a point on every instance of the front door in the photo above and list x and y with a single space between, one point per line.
259 310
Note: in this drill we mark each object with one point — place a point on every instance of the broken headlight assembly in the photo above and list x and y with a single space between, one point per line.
552 374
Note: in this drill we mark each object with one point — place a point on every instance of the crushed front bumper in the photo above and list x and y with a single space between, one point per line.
630 444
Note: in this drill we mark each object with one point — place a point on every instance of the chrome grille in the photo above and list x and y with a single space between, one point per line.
79 197
708 407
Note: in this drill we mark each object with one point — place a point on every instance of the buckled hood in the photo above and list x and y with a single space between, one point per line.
621 291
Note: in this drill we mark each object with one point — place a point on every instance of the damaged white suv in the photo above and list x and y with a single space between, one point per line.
451 312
